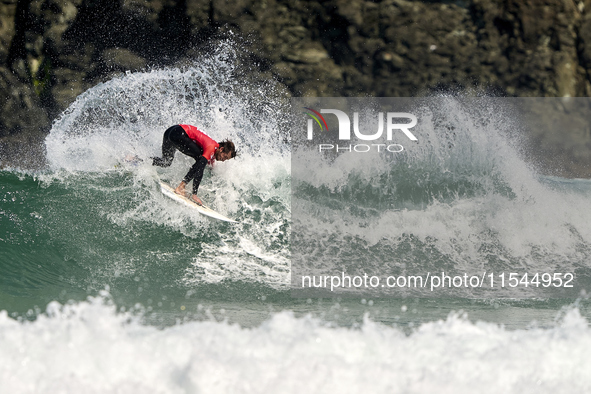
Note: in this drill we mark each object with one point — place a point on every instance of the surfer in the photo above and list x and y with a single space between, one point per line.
196 144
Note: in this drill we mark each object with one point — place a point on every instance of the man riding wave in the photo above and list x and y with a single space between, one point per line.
196 144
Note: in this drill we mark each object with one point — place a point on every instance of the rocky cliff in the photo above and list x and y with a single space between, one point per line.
53 50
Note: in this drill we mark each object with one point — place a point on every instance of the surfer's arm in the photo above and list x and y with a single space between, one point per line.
196 173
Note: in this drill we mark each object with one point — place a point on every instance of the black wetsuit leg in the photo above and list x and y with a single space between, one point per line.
177 138
168 149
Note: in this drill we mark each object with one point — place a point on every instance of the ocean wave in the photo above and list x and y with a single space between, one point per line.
89 347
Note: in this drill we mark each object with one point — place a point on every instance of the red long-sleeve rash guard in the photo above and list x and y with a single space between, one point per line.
209 146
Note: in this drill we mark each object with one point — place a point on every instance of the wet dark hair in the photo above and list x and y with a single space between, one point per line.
228 147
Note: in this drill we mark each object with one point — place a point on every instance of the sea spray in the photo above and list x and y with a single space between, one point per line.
128 115
460 199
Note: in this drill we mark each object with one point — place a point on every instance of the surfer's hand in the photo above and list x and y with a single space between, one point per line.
196 199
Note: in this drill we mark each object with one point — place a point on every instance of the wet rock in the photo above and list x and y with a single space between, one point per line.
7 27
21 110
68 84
122 59
306 55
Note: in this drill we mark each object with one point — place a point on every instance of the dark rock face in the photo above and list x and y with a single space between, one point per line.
53 50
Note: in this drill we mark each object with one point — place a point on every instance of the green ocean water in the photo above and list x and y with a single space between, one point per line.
65 239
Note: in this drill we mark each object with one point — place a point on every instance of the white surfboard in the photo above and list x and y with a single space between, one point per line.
168 191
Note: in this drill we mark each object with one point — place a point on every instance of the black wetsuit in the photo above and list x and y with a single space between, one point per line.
176 138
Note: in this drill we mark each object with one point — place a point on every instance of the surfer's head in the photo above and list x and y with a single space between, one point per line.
226 151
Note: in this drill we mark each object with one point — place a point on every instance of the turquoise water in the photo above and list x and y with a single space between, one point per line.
108 286
65 240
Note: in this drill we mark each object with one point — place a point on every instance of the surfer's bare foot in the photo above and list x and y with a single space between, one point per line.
180 189
133 159
196 199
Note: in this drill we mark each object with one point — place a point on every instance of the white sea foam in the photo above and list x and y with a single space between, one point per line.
467 190
129 114
87 347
